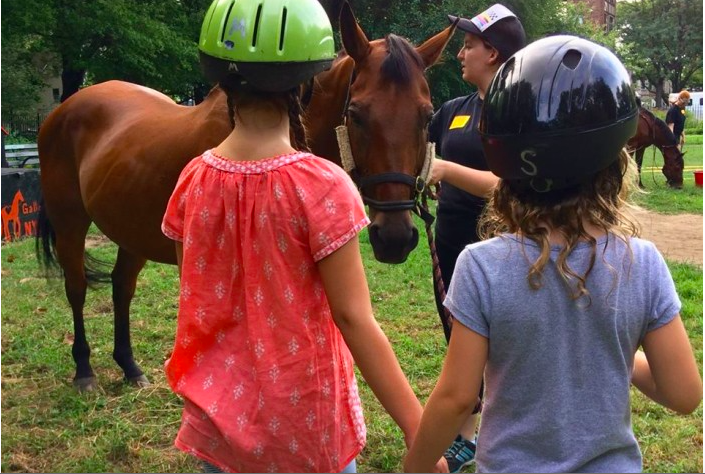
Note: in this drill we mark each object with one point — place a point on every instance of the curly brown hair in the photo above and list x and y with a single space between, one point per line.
600 201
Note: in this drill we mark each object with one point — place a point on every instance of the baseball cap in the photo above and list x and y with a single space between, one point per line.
498 26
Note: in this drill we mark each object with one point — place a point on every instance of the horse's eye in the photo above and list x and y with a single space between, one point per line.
355 116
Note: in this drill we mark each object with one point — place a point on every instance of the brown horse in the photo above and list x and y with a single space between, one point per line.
651 130
111 154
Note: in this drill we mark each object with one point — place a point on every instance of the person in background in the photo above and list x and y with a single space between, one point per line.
274 308
490 38
675 117
555 305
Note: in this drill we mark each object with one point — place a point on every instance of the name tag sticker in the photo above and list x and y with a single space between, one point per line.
459 121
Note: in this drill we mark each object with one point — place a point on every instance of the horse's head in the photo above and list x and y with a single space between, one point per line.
387 112
673 166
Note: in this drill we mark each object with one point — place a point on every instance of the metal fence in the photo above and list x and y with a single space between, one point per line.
23 125
696 111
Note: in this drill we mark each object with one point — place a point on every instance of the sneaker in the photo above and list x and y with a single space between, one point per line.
460 454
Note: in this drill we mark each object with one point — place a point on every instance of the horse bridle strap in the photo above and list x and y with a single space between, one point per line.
417 183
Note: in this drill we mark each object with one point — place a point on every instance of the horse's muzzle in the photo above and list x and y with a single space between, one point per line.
393 242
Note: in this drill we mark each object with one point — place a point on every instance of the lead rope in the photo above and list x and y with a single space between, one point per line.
428 219
652 129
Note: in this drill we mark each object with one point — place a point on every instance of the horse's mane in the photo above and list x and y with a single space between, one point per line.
400 55
396 67
660 125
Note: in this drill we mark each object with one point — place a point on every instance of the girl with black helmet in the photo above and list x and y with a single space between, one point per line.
490 38
273 297
554 307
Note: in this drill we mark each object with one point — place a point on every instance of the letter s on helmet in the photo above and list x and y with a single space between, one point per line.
274 45
567 100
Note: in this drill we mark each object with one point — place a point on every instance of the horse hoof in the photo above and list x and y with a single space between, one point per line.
140 381
85 384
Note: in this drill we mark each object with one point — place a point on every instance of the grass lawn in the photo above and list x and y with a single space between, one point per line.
658 196
48 427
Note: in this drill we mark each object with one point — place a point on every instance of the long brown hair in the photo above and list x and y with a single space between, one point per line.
239 94
600 201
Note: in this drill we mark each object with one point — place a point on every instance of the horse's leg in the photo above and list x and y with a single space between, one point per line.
639 157
70 246
124 276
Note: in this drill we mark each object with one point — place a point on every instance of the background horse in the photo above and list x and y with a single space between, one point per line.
112 153
651 130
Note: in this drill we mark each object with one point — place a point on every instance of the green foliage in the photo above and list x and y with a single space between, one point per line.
662 39
24 69
418 20
152 43
16 139
692 126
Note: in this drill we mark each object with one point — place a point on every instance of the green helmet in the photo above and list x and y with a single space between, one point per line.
273 45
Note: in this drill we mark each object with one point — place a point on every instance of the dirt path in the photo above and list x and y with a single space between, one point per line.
678 237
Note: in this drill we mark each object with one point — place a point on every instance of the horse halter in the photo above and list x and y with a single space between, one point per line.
417 183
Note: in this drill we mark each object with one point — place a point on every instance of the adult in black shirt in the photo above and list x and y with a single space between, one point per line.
490 39
675 117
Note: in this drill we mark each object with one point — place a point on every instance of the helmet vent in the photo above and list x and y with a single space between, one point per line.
225 24
508 67
256 30
283 30
572 58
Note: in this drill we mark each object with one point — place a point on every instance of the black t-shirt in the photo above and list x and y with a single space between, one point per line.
676 116
454 130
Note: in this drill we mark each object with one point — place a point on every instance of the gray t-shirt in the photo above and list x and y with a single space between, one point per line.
558 372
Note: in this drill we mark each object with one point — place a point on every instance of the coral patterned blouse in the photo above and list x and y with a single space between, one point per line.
267 380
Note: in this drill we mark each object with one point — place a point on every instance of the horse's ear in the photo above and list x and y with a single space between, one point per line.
355 42
431 50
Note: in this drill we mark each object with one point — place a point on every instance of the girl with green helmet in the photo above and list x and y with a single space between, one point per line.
274 307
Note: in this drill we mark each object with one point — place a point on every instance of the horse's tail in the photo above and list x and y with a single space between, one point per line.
45 248
45 240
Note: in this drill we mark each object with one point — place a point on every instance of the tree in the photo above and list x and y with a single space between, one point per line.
661 40
23 75
418 20
149 42
153 42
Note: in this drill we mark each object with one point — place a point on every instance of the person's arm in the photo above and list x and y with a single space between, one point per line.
349 299
451 401
666 371
476 182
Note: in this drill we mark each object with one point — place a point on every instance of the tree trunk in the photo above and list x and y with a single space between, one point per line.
659 93
71 81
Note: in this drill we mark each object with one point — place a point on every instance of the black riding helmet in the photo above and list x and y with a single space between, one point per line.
556 113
